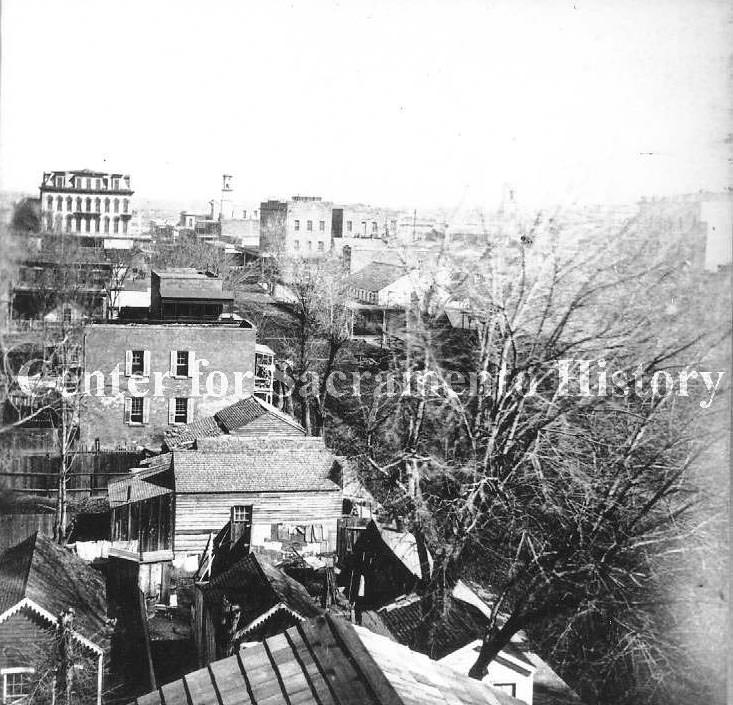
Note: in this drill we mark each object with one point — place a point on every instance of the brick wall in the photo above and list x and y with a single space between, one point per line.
228 350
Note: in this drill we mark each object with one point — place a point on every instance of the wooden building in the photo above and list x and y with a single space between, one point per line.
40 581
384 565
266 488
327 661
250 601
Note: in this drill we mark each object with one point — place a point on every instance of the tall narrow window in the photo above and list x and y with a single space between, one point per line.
320 245
297 225
49 203
97 205
374 227
116 225
125 204
98 184
106 224
349 226
322 225
69 202
182 363
59 203
136 410
106 205
89 184
88 225
309 225
241 525
89 205
181 415
78 204
96 225
124 226
117 205
59 182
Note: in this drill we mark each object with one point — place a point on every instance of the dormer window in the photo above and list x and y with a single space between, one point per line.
59 181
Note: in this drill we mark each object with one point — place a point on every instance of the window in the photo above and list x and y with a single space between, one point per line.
115 184
320 245
59 203
137 362
97 205
241 524
89 205
296 244
322 225
98 184
181 363
349 226
297 225
125 203
136 409
88 225
59 182
374 227
79 183
106 205
17 684
116 225
68 203
124 226
49 203
89 184
181 413
67 314
78 204
363 227
394 226
106 224
96 225
309 226
117 205
310 245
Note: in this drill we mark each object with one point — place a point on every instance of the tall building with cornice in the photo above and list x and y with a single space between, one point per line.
86 202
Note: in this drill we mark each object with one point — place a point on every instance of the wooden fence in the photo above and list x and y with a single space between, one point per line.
14 528
91 472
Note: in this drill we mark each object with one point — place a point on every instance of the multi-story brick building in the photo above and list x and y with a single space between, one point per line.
300 226
144 377
86 202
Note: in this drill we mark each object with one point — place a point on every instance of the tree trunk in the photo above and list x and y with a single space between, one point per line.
493 643
61 509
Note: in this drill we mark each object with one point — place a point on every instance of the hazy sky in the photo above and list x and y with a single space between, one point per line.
395 102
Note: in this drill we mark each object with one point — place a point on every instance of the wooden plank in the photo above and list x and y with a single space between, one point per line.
319 686
201 688
175 694
230 682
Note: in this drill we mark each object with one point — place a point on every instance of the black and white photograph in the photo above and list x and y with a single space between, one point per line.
365 352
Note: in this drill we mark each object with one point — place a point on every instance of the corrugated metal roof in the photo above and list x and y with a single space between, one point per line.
326 661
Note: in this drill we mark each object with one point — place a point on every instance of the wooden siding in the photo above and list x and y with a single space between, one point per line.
23 641
15 528
198 515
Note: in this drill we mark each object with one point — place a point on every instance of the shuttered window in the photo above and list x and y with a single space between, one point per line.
180 363
137 362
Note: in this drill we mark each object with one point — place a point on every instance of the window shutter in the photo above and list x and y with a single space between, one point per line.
189 409
146 410
172 411
174 354
146 363
189 372
128 409
128 363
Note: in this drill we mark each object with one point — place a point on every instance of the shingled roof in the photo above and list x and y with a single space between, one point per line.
226 421
325 662
376 276
273 588
55 579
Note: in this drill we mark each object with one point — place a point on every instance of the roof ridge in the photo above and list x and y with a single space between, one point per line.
363 662
33 536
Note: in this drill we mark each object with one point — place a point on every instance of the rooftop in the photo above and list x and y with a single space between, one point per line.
376 276
55 579
189 283
324 662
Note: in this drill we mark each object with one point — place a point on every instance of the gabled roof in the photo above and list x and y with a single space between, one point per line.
252 577
227 420
52 577
325 662
401 544
376 276
453 625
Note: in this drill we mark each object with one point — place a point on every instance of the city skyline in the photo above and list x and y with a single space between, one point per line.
376 103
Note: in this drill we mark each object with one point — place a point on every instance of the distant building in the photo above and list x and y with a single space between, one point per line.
716 214
184 293
85 202
300 226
